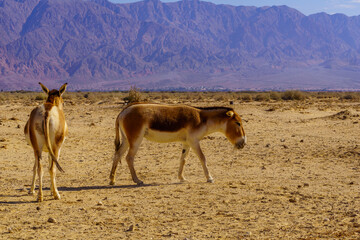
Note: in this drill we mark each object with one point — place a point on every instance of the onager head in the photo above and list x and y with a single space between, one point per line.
54 96
234 130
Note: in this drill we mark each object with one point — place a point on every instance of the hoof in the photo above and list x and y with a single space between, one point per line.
140 183
183 180
40 199
31 192
112 183
57 197
210 180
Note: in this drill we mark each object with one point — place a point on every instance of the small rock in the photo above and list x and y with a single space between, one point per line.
302 140
100 203
51 220
326 219
267 145
286 147
38 208
306 185
282 140
292 200
356 225
131 228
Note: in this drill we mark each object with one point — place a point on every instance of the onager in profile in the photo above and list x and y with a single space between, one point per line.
173 123
46 130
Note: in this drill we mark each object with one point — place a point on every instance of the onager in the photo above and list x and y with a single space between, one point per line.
46 130
173 123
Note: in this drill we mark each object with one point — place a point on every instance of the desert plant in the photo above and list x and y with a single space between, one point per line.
262 97
275 96
293 95
40 97
133 96
350 96
246 98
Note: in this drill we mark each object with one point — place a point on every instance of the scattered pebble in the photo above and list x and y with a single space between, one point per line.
292 200
51 220
100 203
131 228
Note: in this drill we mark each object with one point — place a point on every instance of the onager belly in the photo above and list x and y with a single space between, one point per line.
163 137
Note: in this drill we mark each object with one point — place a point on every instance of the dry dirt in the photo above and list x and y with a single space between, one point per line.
297 178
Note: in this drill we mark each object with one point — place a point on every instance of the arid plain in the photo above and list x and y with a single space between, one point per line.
298 177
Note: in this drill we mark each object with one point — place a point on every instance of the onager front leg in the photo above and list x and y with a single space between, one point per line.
184 154
40 174
32 188
196 147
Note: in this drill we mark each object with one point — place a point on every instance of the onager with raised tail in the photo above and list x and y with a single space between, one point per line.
46 130
173 123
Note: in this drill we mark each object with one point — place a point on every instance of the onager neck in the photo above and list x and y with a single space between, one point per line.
215 119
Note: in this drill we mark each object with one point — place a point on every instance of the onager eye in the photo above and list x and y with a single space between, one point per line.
238 123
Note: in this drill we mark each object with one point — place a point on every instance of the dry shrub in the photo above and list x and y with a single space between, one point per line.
246 98
352 96
220 98
261 97
40 97
133 96
293 95
275 96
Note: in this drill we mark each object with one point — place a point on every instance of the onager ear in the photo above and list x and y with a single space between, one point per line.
230 113
62 89
45 89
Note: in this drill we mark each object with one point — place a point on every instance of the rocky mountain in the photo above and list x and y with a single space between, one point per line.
190 44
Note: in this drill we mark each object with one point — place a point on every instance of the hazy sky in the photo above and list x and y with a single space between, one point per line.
348 7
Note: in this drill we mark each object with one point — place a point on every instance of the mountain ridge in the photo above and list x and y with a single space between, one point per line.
100 45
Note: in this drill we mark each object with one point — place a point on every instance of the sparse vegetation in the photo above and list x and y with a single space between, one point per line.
293 95
133 96
191 98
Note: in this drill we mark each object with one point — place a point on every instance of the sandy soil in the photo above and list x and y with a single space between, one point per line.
297 178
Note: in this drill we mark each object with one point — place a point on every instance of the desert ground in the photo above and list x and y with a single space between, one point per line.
298 177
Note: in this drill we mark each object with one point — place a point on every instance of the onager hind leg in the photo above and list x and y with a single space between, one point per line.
130 160
52 171
117 157
184 153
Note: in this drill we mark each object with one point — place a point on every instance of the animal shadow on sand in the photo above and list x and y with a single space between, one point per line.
73 189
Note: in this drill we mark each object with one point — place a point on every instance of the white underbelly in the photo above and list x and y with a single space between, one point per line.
163 137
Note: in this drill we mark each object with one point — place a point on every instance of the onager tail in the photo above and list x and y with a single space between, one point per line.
117 135
48 144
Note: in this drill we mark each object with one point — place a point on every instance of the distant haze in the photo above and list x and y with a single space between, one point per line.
187 45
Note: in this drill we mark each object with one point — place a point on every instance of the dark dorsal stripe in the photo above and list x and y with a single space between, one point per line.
215 108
